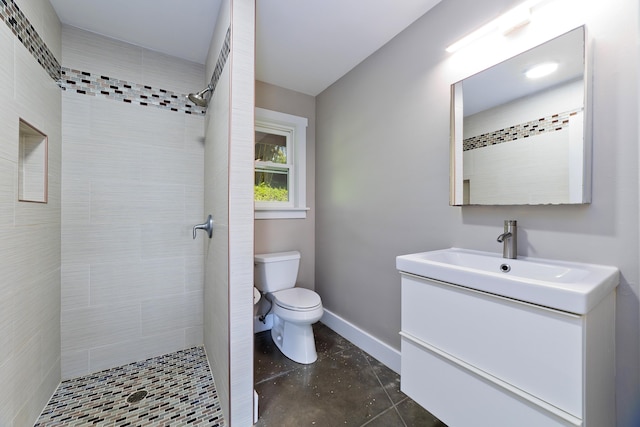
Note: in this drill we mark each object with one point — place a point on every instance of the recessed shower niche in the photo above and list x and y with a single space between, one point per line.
32 164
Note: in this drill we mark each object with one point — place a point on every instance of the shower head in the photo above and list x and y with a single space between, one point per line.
199 98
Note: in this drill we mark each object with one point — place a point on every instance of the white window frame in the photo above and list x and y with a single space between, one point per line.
295 130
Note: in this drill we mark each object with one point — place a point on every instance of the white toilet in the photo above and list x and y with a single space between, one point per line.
294 309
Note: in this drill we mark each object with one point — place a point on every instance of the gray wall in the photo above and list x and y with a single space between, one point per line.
382 168
277 235
29 232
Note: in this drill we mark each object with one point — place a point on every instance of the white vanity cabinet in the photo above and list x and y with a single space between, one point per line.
474 358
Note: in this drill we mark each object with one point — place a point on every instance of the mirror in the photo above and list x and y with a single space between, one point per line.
517 140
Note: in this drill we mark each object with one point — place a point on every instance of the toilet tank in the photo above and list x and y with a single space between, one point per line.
276 271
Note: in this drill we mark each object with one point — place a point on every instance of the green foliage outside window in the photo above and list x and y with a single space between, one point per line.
264 192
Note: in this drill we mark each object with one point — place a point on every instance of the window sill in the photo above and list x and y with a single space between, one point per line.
280 213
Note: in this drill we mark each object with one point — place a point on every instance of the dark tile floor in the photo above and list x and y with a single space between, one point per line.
345 386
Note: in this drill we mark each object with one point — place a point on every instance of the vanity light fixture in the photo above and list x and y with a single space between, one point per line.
541 70
509 21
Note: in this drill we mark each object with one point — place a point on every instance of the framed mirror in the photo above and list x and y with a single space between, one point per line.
521 138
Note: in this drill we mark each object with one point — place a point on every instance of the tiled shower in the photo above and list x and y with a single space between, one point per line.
133 183
106 272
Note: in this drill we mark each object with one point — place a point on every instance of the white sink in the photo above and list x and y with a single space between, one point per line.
567 286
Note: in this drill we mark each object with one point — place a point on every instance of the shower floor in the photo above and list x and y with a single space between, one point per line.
181 392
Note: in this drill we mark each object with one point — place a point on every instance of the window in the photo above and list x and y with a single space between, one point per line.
280 165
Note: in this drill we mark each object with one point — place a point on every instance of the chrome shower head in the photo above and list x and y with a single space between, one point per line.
199 98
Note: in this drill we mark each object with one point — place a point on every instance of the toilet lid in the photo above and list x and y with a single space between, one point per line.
297 298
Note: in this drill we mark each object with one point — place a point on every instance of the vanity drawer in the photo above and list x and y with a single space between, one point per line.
461 398
535 349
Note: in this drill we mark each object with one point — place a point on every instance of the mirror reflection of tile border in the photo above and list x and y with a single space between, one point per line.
554 122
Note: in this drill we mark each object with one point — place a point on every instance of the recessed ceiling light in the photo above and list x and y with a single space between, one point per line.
541 70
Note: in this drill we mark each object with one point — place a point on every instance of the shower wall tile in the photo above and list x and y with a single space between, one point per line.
6 63
45 21
50 341
82 50
116 202
192 336
117 283
165 202
92 244
29 232
77 114
133 189
76 199
35 87
7 410
194 271
75 285
136 125
160 70
33 407
112 159
6 336
28 372
140 349
34 313
8 186
9 135
168 240
172 312
194 203
91 327
165 165
75 363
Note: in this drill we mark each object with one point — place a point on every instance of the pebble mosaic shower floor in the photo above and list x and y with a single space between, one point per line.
180 392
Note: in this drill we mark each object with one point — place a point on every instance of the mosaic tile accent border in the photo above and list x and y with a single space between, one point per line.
29 37
85 83
181 392
220 63
551 123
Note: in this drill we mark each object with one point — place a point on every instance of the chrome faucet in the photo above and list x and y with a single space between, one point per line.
509 239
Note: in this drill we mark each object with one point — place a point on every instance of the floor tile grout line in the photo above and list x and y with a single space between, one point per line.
367 357
380 415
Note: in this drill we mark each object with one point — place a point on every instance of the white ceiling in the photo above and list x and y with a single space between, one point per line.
300 45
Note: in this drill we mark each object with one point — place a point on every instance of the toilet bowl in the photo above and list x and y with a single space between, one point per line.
294 309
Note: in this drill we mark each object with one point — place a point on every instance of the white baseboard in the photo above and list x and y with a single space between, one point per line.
386 354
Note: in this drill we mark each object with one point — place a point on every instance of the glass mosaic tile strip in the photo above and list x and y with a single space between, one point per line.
85 83
179 386
29 37
550 123
221 62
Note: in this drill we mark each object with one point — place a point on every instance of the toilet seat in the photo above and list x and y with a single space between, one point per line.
297 299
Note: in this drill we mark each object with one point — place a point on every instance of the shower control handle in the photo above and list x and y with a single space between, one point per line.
206 226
